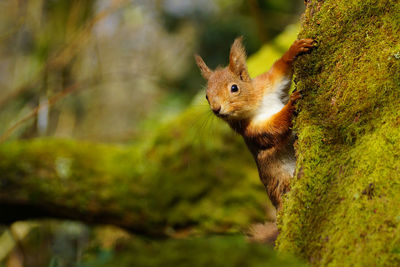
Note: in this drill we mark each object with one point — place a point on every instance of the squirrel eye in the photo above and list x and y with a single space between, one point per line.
234 88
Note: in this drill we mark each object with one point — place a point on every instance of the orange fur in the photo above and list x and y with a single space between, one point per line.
256 112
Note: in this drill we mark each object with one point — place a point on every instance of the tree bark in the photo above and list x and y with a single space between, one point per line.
343 208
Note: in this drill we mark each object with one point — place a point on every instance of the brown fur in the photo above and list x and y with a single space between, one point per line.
263 233
270 140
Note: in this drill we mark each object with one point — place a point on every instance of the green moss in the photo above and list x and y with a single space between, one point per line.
205 251
342 207
181 179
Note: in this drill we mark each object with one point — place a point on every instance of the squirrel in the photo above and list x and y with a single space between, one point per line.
260 110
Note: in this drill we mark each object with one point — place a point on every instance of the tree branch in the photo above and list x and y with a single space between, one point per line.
147 191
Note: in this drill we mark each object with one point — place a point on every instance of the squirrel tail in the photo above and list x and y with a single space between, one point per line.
265 233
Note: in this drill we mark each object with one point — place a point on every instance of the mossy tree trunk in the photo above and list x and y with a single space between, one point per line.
344 206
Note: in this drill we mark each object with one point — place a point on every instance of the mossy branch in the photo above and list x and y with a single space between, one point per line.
179 180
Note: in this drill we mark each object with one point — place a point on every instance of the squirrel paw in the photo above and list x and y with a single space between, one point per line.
294 97
301 46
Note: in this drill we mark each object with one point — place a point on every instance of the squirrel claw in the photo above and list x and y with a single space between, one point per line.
301 46
294 97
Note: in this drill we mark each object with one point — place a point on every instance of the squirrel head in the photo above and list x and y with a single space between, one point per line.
230 91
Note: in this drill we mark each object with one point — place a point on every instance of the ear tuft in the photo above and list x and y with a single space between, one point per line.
205 70
237 60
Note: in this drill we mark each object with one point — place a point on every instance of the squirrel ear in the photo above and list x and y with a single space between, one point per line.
205 71
237 60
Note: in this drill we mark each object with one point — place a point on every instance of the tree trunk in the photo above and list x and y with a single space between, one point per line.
343 208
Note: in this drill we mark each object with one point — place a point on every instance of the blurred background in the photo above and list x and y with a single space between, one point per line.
113 72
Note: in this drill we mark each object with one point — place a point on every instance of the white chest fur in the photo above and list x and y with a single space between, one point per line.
272 101
270 105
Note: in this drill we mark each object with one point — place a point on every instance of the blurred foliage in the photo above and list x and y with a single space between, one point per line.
187 177
127 61
262 60
61 243
123 71
225 250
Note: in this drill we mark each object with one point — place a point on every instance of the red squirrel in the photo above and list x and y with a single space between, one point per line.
260 110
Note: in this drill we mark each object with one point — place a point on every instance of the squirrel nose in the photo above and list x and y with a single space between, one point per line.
216 110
